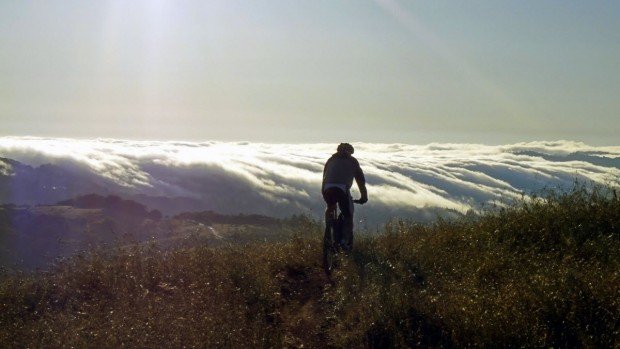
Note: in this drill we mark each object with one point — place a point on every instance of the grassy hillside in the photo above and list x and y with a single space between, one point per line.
542 273
34 237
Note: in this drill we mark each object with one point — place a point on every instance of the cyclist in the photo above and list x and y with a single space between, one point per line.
338 175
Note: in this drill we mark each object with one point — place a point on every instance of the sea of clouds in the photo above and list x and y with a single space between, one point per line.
416 181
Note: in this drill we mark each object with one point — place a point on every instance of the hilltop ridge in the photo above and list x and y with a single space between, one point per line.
38 236
543 273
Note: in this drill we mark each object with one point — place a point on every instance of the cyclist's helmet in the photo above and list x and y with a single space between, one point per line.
345 148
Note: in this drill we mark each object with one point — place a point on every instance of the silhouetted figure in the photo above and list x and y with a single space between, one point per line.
338 175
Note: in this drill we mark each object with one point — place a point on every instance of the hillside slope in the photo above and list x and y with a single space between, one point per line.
542 273
37 236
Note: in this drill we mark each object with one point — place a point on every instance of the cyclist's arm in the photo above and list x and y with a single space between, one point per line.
360 179
324 171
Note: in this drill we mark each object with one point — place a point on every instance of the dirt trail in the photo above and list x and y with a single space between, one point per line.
303 307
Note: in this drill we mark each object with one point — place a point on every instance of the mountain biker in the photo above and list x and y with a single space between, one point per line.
338 174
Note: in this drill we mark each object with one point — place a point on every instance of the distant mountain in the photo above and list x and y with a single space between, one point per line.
171 205
46 184
210 217
113 205
37 236
34 236
22 184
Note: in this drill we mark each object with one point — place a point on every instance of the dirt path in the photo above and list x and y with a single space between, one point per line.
303 310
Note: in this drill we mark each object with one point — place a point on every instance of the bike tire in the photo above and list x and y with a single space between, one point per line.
329 252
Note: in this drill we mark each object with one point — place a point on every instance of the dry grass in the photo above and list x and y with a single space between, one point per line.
542 273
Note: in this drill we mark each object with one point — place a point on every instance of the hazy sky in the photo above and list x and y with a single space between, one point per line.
312 71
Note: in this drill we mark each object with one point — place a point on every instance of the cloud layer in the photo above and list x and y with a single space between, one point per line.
280 179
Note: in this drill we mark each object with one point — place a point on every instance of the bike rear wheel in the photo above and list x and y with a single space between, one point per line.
329 256
330 246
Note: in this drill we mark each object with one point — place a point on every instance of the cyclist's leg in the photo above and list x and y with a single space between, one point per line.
330 211
329 245
329 214
346 208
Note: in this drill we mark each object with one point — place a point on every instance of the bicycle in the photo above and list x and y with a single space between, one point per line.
333 242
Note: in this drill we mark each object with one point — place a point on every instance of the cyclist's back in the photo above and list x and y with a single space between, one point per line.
342 168
338 175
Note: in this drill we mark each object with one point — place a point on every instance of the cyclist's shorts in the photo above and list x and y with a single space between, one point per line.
335 195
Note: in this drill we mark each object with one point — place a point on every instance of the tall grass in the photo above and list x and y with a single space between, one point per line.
544 272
